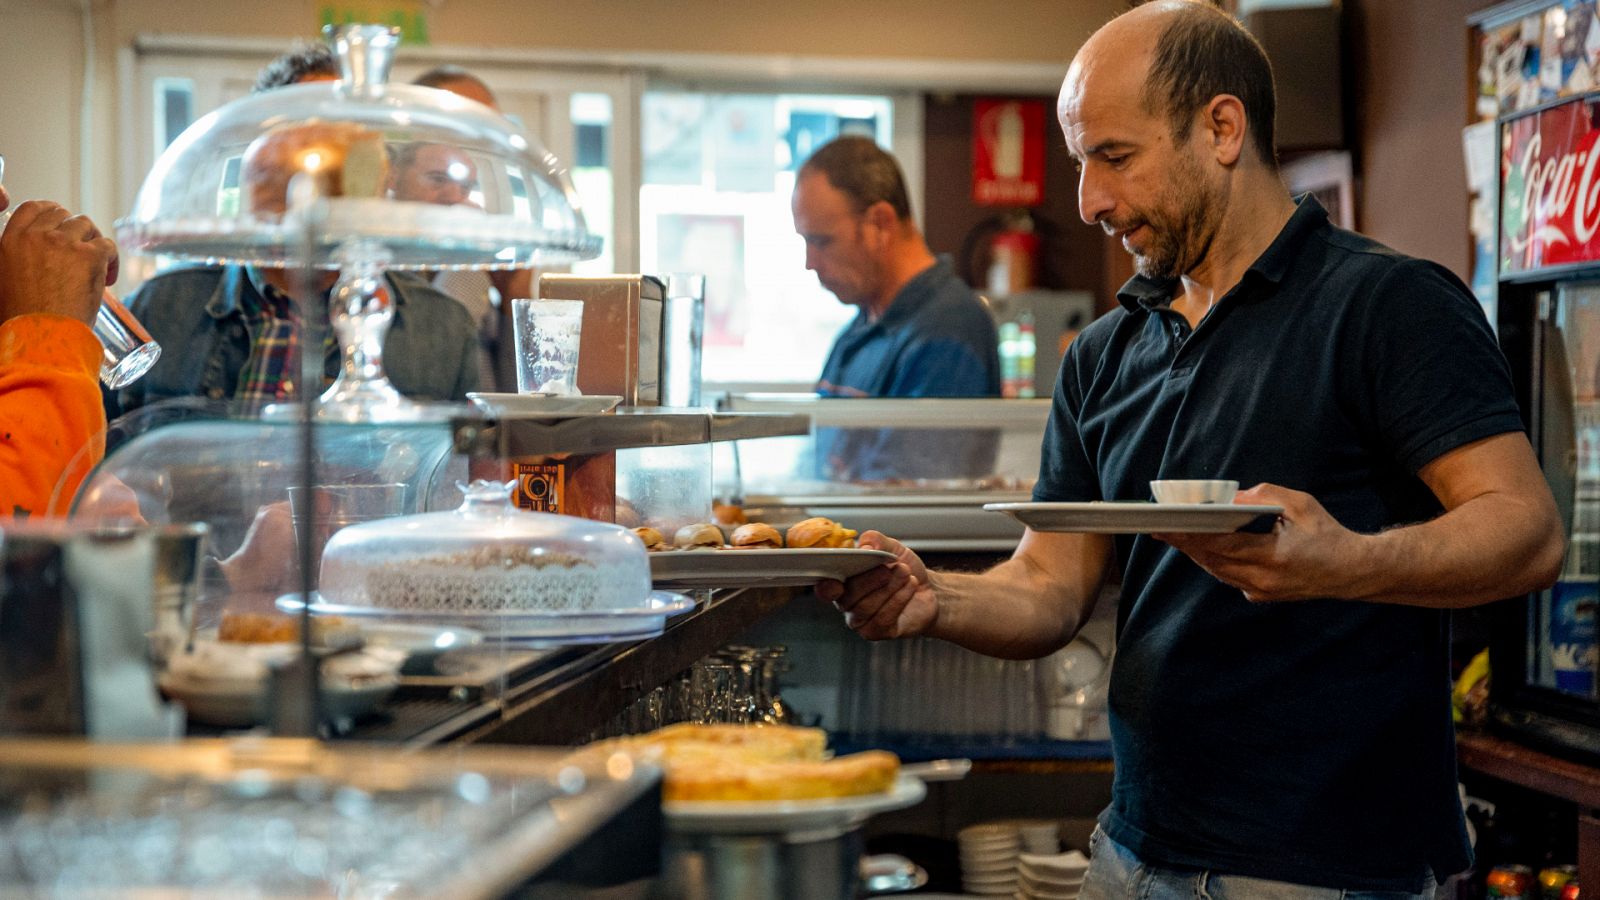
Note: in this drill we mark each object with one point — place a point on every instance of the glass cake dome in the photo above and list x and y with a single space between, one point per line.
485 559
242 184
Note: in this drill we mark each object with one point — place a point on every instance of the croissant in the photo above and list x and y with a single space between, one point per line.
820 532
699 536
756 536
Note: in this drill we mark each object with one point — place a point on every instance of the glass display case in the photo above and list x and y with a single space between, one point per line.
917 469
260 817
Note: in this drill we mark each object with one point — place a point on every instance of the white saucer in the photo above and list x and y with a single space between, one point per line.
543 404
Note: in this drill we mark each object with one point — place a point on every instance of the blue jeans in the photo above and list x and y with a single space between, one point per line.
1115 873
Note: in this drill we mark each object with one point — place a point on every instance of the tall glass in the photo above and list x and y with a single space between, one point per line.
548 335
682 339
129 351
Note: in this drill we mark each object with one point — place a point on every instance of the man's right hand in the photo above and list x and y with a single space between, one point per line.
894 600
53 262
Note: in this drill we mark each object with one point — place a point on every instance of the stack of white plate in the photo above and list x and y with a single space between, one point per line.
989 855
1055 876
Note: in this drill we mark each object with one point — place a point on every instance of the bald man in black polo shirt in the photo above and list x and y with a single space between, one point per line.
1278 704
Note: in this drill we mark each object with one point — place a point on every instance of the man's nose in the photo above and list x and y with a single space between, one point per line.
811 258
1094 202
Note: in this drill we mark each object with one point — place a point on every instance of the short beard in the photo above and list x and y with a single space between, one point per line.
1182 224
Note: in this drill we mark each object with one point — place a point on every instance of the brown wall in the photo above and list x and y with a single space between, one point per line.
1041 30
1071 256
1408 65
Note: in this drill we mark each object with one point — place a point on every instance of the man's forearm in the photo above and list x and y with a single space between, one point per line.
1487 549
1016 610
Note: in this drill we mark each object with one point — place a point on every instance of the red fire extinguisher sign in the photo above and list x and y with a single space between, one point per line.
1008 152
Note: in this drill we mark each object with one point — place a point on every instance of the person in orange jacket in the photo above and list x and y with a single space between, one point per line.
54 266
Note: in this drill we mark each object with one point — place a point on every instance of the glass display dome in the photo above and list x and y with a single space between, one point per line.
432 178
486 558
360 176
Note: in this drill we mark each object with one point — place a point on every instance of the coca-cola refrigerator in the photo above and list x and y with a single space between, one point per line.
1543 648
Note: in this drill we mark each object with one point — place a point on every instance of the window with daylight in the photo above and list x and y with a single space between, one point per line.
718 169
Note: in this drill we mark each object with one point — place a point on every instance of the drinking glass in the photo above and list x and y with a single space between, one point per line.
547 333
338 505
129 351
682 339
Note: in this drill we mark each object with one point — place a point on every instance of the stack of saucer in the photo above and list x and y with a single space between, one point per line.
1041 837
989 855
1055 876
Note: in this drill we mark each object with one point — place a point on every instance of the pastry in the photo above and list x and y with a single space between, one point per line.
819 532
345 159
728 515
653 541
765 743
752 763
271 628
756 536
869 772
699 536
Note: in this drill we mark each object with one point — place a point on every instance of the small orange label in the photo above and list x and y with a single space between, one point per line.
538 486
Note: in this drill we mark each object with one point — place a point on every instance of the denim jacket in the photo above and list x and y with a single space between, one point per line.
194 313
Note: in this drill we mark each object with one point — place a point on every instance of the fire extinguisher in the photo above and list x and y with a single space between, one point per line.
1001 254
1013 253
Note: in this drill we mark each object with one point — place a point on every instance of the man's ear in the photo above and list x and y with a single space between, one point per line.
885 223
1225 125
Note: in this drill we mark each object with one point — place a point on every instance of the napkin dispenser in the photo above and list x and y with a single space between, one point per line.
83 610
620 347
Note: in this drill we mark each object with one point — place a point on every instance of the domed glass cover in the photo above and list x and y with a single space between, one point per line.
485 558
432 178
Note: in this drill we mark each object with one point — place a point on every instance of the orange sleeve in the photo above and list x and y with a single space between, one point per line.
49 410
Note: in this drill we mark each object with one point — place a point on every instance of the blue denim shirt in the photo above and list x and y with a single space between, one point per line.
935 340
431 352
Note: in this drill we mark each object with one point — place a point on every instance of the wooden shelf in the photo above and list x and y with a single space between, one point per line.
1551 775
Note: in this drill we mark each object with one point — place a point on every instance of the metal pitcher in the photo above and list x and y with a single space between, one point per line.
85 613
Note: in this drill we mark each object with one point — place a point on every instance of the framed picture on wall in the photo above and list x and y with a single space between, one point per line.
1330 178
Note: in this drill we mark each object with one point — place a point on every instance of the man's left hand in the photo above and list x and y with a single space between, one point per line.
1308 554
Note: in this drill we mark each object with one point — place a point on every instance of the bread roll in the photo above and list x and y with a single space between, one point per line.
346 159
699 536
756 536
728 515
653 541
819 532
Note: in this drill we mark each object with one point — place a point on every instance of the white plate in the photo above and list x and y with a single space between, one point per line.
543 404
684 569
789 816
229 706
1137 518
422 643
574 626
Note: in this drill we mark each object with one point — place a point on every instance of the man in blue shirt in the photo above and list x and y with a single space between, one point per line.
920 331
1279 702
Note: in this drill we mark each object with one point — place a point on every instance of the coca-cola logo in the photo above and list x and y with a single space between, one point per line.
1550 196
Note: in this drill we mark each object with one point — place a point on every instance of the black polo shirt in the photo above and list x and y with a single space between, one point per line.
1305 741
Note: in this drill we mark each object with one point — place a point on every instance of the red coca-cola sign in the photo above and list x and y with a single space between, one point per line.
1550 188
